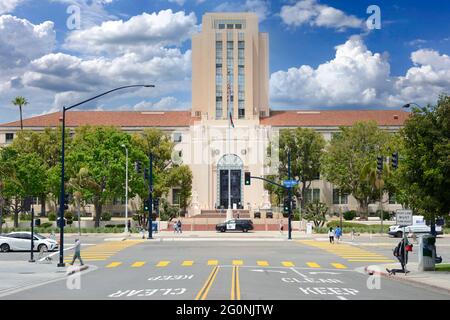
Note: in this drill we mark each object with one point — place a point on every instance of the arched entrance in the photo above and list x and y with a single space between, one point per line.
230 163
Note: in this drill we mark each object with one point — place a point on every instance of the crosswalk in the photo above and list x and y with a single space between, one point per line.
233 263
103 251
347 252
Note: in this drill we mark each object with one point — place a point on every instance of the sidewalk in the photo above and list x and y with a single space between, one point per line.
16 276
438 280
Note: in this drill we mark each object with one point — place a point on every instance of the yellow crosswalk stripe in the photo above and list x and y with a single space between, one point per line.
262 263
237 262
114 264
187 263
163 264
338 265
361 260
212 262
287 264
313 265
138 264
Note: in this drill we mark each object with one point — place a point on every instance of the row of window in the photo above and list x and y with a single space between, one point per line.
338 196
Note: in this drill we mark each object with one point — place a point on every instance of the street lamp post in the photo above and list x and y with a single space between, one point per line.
62 188
126 189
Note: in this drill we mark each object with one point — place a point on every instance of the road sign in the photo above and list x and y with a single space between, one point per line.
290 183
404 217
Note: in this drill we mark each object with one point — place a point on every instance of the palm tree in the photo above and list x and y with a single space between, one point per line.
20 101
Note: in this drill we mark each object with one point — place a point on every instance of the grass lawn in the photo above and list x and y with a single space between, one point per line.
443 267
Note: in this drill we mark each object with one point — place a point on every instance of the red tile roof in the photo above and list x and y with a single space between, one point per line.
289 118
111 118
327 118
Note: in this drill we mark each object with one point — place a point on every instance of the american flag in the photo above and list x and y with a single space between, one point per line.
229 103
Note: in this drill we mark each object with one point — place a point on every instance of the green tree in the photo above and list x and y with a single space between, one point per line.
350 159
306 147
424 165
316 211
20 102
181 176
99 151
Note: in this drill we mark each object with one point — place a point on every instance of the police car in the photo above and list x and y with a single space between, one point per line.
243 225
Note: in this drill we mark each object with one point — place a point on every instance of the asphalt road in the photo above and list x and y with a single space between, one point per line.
230 270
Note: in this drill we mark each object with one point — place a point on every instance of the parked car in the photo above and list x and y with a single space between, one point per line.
235 225
21 241
419 226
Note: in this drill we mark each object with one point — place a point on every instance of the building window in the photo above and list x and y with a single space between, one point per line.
312 195
241 113
177 137
219 108
241 36
339 197
221 25
238 26
176 197
230 26
392 199
9 137
317 176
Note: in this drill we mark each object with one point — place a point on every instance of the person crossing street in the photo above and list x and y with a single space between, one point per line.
77 254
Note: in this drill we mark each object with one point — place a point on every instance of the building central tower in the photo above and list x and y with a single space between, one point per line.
230 68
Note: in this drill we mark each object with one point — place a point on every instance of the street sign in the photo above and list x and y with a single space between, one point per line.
290 183
404 217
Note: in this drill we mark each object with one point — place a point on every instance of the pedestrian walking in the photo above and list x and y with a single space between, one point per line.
77 254
180 230
331 235
281 226
175 227
129 226
338 233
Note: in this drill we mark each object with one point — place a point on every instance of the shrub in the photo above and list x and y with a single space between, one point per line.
106 216
46 225
69 217
349 215
386 214
25 217
52 216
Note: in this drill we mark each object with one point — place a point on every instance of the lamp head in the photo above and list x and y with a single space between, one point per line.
149 86
406 106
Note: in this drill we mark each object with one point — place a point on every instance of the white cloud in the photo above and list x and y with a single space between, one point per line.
260 7
166 103
315 14
143 32
358 77
22 41
179 2
7 6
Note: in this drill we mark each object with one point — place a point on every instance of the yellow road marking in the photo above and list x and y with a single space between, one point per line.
288 264
212 262
313 265
338 266
235 286
138 264
357 260
114 264
187 263
203 293
163 264
262 263
237 262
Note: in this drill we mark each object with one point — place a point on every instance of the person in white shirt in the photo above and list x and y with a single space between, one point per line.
331 235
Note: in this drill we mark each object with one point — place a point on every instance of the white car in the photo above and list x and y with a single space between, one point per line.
419 226
21 241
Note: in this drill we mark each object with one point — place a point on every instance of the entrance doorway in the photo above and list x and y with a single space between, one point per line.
230 163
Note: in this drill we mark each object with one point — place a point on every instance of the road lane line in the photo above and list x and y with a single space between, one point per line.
213 262
338 265
299 273
237 262
203 293
262 263
187 263
163 264
114 264
238 285
287 264
138 264
313 265
233 275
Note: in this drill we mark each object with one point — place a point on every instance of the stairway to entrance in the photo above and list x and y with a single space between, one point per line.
222 214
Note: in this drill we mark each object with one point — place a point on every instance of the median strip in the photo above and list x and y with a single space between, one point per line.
203 293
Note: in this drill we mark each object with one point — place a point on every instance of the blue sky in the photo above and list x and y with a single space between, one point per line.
322 54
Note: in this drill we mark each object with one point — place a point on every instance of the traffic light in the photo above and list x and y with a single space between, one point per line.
146 205
156 205
146 173
395 160
247 178
286 206
379 164
138 167
67 199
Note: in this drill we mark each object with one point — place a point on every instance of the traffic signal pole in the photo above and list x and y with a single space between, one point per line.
150 197
289 199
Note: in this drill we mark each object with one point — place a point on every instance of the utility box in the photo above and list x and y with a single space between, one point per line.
427 253
37 222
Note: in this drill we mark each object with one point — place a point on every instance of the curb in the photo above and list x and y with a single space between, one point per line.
407 280
77 269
